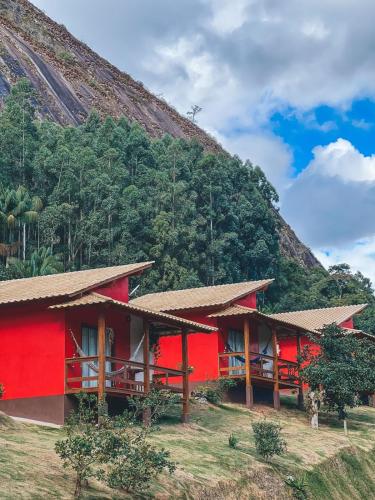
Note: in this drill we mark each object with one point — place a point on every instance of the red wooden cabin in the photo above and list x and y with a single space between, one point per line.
258 348
73 332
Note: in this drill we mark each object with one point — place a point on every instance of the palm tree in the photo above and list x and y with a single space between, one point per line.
41 263
17 208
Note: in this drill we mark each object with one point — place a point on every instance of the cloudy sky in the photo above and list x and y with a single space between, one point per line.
288 84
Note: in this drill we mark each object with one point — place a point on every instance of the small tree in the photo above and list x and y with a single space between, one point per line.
342 365
115 450
268 440
193 112
80 449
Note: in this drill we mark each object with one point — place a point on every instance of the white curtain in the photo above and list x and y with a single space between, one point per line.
90 348
236 344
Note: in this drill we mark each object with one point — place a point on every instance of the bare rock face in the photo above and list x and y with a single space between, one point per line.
71 80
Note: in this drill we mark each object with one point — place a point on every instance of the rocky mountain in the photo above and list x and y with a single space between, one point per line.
71 80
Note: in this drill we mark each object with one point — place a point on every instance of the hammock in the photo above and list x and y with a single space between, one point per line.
92 365
242 359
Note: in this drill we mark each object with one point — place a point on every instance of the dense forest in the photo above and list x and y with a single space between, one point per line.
105 193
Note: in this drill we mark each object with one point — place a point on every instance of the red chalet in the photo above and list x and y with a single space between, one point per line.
258 348
73 332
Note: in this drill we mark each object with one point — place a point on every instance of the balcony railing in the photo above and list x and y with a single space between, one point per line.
122 376
262 367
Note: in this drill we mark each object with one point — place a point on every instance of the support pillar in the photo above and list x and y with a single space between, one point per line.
249 387
300 386
276 389
101 357
185 378
146 368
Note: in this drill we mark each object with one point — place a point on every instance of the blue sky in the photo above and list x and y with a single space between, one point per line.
288 85
325 124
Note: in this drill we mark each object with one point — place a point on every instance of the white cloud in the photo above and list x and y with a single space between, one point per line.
341 159
360 256
228 15
331 202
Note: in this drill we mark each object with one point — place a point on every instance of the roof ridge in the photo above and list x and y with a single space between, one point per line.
182 290
320 309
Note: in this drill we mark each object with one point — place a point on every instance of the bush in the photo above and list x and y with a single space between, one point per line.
233 441
115 450
268 440
1 390
299 487
215 391
66 56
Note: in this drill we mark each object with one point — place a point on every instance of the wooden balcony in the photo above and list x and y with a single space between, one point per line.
122 376
265 370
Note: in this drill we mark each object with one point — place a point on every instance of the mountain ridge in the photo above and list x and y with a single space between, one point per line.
71 80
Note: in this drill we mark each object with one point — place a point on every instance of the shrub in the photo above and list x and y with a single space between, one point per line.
299 487
268 440
66 56
233 441
79 451
214 391
115 450
1 390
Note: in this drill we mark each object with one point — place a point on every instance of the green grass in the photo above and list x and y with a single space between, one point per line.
335 466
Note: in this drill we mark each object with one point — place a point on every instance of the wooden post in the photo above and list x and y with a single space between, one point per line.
249 387
101 356
185 378
300 386
146 369
276 390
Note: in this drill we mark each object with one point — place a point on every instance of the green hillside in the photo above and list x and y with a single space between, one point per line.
334 466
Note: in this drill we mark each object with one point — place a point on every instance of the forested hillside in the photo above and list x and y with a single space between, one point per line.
106 193
71 79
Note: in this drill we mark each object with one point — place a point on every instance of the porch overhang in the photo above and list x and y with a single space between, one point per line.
238 311
166 319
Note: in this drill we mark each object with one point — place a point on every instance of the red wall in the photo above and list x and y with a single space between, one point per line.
118 290
202 350
32 345
248 301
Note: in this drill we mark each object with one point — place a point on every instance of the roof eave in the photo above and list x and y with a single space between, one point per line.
191 326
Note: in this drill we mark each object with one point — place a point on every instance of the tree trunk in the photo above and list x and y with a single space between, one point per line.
314 410
24 241
78 488
345 427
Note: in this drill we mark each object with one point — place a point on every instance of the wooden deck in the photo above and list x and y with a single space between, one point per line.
264 370
124 378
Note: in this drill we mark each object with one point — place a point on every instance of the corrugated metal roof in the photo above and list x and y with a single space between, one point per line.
193 298
96 298
315 319
64 284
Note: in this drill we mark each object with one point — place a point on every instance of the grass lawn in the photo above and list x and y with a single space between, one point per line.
207 466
